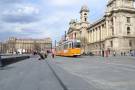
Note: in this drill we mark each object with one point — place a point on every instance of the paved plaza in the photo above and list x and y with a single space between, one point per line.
113 73
81 73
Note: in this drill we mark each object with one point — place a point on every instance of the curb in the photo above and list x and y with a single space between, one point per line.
69 81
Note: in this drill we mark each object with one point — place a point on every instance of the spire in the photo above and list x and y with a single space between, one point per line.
84 8
72 21
84 13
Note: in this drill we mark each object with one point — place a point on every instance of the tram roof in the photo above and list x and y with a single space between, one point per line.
71 41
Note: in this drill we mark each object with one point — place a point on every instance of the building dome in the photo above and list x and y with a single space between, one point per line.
84 8
72 21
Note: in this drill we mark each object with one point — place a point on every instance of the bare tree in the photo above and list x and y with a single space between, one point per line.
37 46
84 42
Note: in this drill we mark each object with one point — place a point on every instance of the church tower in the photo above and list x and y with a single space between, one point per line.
84 13
84 24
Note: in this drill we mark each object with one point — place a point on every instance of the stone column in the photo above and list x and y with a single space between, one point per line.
92 36
95 35
114 25
101 38
99 34
88 36
107 27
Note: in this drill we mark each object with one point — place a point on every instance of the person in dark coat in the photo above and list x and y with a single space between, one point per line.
1 64
41 56
45 55
52 55
114 53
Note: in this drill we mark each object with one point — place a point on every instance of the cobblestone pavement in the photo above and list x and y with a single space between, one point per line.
113 73
82 73
34 74
30 74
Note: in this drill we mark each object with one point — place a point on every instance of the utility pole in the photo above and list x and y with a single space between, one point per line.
65 35
55 44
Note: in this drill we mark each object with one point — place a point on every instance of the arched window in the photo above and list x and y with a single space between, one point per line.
111 43
85 19
75 35
128 30
128 19
130 43
85 13
112 31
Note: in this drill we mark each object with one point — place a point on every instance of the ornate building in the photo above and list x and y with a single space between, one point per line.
28 45
78 29
3 47
115 32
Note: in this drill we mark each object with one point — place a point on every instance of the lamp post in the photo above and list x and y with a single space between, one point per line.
65 35
55 44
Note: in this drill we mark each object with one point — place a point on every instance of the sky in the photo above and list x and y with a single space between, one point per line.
43 18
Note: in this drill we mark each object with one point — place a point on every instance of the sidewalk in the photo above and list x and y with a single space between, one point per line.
34 74
30 74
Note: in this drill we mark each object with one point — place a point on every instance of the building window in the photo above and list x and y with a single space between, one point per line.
128 19
85 19
112 31
128 30
103 26
130 43
85 14
75 35
103 45
112 21
111 43
96 46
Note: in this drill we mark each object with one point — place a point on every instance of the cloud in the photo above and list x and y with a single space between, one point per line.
21 14
10 1
45 18
63 2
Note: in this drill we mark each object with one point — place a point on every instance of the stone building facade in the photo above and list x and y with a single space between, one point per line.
78 29
3 47
114 32
28 45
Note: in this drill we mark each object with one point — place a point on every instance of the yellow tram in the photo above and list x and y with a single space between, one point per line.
69 48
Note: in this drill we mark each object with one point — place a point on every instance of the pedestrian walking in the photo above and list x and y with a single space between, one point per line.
124 54
107 53
121 53
45 55
114 53
41 56
102 53
52 55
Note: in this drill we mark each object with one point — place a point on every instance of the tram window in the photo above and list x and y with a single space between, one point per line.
65 46
70 45
62 47
77 45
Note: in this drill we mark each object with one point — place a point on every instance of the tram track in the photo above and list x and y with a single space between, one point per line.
57 77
